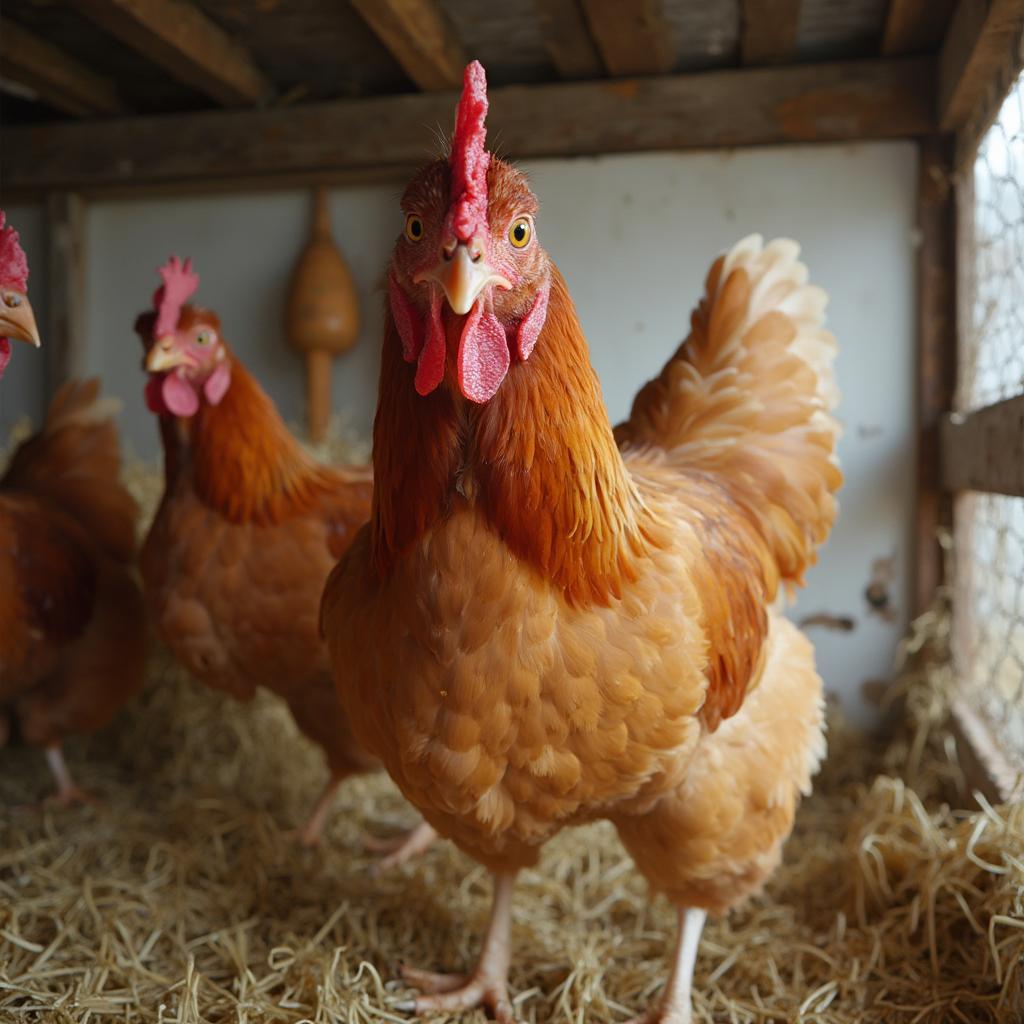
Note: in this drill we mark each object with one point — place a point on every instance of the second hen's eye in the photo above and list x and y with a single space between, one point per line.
12 300
520 232
204 337
413 228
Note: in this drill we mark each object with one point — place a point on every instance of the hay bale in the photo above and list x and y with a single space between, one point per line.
184 896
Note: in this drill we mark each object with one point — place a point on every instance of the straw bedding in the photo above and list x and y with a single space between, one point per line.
183 896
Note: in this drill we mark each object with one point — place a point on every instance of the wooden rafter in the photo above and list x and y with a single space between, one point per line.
56 78
853 100
189 46
420 37
568 40
66 355
768 31
982 40
914 26
632 35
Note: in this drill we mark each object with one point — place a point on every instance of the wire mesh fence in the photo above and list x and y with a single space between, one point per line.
989 586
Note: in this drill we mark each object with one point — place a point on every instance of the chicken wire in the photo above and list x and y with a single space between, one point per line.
989 587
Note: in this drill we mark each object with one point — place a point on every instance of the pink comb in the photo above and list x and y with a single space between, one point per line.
13 263
179 286
469 160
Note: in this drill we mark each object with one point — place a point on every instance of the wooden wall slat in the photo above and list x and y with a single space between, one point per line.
984 450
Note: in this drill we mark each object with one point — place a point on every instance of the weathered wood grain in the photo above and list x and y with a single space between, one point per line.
187 44
56 78
820 103
984 450
419 36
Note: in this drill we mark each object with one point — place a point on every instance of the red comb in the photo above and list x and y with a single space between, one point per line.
469 160
178 287
13 263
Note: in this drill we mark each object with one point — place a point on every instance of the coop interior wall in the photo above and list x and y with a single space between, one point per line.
634 236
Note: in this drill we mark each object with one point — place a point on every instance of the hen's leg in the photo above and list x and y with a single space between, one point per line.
399 849
68 792
676 1005
488 984
312 833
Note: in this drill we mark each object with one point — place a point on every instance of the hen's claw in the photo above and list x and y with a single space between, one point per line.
398 849
453 993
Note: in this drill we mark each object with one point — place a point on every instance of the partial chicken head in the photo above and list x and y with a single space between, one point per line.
185 355
17 321
468 264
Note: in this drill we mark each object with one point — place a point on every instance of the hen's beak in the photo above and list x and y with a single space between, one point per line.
17 321
164 356
463 273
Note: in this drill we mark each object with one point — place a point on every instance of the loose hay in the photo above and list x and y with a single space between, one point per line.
184 897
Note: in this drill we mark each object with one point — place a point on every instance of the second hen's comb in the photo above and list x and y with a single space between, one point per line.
13 262
179 285
469 160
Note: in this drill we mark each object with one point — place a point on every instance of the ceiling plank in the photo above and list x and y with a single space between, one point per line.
853 100
981 41
568 40
57 79
189 46
418 34
632 36
915 26
768 31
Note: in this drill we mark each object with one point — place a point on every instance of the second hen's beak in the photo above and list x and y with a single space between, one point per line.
17 321
164 356
463 273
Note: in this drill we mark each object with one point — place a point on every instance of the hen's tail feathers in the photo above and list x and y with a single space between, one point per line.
74 461
747 397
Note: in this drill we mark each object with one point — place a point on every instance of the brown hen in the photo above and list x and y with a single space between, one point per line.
245 535
567 624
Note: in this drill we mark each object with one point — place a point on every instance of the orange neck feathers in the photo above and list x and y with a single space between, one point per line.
539 460
245 463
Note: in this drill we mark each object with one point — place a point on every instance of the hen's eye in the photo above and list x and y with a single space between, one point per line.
520 232
204 338
413 228
12 300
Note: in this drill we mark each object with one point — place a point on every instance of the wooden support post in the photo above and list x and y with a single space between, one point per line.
914 26
65 340
936 356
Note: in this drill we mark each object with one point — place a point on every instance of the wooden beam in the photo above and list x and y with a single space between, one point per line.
983 37
984 450
915 26
768 31
568 40
420 37
632 35
186 44
936 359
986 769
57 79
811 103
65 339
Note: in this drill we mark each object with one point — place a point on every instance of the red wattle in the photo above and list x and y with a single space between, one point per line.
530 326
483 355
5 354
430 367
179 396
